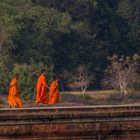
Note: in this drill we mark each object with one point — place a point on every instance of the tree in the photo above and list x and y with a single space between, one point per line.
121 74
81 78
7 31
59 35
129 10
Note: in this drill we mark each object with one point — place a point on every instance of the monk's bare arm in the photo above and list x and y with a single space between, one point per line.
45 84
14 84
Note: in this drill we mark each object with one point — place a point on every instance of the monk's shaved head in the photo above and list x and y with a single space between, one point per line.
43 71
16 75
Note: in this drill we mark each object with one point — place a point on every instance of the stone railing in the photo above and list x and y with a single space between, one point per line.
71 123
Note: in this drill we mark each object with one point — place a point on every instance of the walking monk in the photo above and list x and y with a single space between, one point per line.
54 92
13 97
42 89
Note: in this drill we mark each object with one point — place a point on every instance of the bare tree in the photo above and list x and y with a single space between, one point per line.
121 74
81 78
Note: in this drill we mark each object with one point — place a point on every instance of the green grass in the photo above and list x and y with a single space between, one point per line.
85 96
93 92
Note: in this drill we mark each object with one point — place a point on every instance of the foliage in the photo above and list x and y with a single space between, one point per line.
28 78
61 37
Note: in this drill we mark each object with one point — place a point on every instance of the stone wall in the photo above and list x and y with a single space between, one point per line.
71 123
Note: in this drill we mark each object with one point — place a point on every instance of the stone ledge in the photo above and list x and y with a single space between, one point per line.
58 123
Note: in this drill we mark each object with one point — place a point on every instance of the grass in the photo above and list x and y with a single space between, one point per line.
92 92
85 96
74 98
101 97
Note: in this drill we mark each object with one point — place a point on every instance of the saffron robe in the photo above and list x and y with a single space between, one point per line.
54 93
13 97
42 93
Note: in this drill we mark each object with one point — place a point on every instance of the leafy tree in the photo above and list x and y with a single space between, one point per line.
61 37
7 31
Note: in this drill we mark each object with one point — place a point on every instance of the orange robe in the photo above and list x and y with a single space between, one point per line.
42 95
13 97
54 93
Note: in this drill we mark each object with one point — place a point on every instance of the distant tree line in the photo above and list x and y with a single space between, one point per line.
67 36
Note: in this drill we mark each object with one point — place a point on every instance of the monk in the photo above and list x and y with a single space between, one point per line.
42 89
14 99
54 92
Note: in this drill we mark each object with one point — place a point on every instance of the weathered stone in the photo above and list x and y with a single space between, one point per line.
77 123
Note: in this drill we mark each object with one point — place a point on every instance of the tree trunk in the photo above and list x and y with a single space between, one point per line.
84 91
84 88
123 90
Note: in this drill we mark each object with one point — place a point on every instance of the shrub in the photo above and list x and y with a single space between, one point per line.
28 78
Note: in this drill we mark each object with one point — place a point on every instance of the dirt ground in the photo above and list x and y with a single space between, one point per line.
76 98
